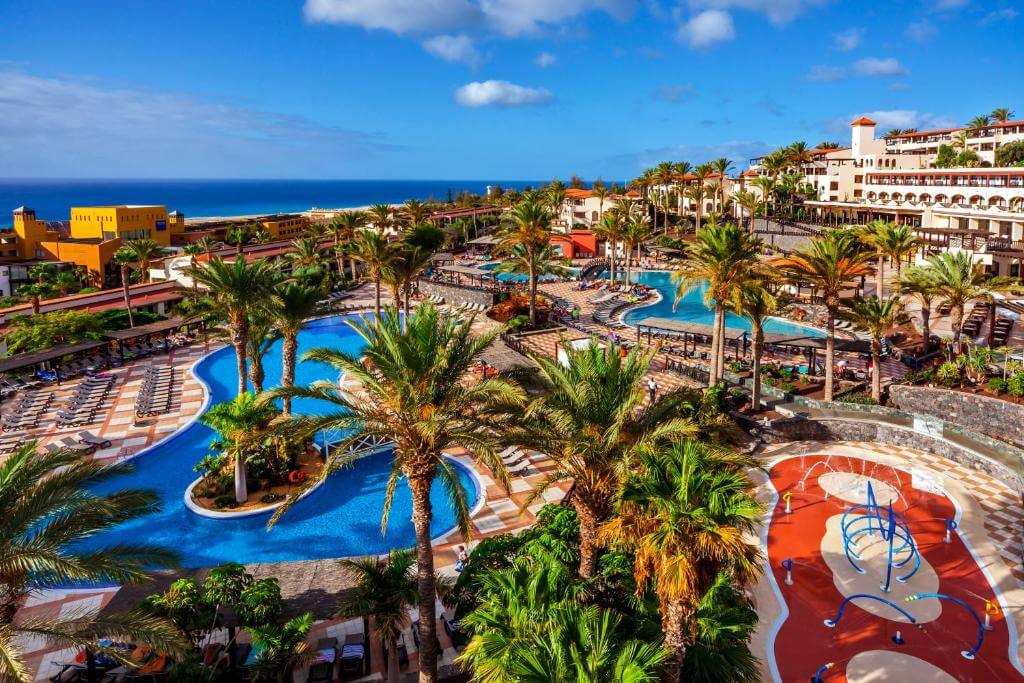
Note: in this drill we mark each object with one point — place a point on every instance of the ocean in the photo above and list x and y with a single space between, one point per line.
53 199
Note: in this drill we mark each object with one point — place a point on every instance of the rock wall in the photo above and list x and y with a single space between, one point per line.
995 418
458 295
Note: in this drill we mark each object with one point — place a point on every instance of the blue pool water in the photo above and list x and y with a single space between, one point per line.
339 519
512 277
692 309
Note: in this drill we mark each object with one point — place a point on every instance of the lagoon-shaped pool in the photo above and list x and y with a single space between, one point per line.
339 519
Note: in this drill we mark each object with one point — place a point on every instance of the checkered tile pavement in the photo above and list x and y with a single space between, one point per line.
1004 514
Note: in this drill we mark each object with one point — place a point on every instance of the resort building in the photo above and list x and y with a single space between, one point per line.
979 208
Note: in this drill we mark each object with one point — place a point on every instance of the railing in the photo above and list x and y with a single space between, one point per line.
693 372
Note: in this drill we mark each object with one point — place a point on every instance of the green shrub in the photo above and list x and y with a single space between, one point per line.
948 374
860 398
787 386
735 366
1015 385
271 497
222 502
997 385
260 603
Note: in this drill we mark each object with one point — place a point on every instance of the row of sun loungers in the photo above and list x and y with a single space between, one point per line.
1001 331
977 317
26 411
435 299
155 394
83 405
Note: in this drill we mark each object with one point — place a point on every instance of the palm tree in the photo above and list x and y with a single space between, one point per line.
306 252
876 317
207 244
978 123
528 232
696 194
722 167
1001 115
591 421
609 228
345 227
601 192
50 507
282 649
384 589
635 232
747 201
917 283
373 250
382 216
412 394
960 140
415 211
124 259
725 257
892 242
959 280
767 187
238 288
530 626
261 338
35 292
193 250
687 513
238 421
797 154
297 302
756 302
238 236
829 263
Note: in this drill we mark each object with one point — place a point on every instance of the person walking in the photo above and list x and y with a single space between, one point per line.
652 389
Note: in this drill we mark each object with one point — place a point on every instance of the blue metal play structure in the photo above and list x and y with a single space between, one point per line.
870 518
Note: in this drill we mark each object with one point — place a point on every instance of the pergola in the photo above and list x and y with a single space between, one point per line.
161 327
740 339
54 355
471 272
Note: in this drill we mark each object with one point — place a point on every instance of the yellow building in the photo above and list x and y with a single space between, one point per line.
95 233
285 226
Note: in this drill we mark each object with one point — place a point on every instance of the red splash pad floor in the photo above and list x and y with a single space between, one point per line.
803 643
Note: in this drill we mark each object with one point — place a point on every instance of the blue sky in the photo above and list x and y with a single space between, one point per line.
492 89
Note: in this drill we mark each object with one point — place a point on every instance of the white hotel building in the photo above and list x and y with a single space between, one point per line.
977 209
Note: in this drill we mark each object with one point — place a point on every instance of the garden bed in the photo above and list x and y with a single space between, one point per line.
262 495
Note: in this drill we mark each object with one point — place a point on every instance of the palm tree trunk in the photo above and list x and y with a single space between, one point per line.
876 375
421 514
588 538
926 314
721 349
675 625
256 374
352 268
289 352
611 262
394 675
34 301
958 324
880 276
713 370
127 297
376 295
533 294
755 393
830 352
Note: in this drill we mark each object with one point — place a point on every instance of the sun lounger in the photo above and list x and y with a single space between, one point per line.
354 658
68 442
88 437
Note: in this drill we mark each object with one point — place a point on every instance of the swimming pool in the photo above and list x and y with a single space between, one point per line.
341 518
512 277
692 309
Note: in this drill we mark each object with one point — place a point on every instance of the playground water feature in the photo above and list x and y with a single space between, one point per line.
871 574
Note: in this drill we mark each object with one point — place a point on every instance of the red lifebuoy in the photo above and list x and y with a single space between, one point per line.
296 476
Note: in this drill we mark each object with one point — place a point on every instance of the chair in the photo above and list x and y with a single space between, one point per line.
91 439
353 660
322 672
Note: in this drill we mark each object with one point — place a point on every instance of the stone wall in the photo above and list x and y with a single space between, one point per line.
995 418
459 295
801 429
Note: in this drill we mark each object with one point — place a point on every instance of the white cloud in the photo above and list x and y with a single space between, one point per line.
674 92
821 73
779 12
1004 14
545 59
509 17
67 127
921 30
882 68
458 48
397 16
848 40
500 94
892 118
707 28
